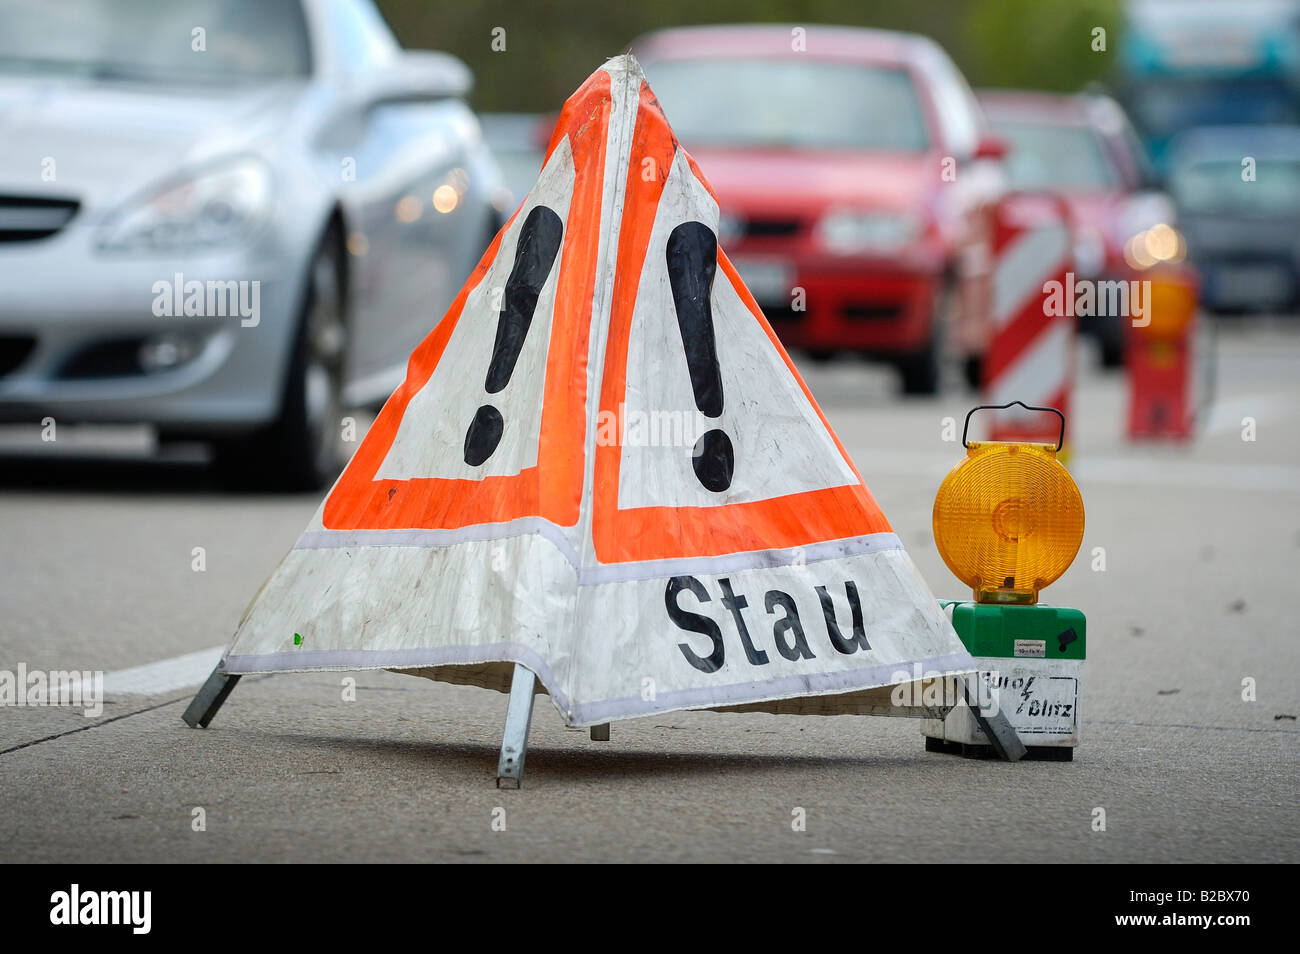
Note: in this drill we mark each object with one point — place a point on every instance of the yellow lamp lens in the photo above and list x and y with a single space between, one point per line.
1008 520
1170 309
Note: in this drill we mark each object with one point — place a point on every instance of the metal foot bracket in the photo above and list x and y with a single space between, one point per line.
519 716
205 704
1001 733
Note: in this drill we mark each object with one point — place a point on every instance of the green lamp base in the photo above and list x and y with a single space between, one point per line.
1030 661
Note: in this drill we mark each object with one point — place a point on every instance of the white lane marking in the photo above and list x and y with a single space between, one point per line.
1226 416
1118 471
890 463
165 675
126 440
1189 475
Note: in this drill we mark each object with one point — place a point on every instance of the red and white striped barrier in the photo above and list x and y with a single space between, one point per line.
1031 353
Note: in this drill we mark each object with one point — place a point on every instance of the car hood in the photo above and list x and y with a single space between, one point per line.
101 141
1093 208
812 180
1117 215
1100 212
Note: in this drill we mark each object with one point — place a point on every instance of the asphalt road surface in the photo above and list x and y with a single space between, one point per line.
1202 565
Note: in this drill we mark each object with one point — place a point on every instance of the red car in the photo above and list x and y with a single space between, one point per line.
855 179
1083 149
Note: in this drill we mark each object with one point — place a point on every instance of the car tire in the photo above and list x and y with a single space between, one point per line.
1110 341
303 449
921 372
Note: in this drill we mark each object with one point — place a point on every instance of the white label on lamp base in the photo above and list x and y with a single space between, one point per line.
1035 648
1037 704
1040 698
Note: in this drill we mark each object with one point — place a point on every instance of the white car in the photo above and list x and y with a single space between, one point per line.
229 219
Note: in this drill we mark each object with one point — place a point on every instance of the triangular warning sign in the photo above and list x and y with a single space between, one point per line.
603 465
488 426
686 340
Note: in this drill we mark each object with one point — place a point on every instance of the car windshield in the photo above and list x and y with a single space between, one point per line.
1221 186
1046 156
790 103
1164 107
167 41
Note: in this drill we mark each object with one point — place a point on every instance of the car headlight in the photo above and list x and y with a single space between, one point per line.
212 208
1141 211
1160 243
846 231
730 228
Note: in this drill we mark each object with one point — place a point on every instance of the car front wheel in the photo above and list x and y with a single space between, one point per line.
921 371
303 449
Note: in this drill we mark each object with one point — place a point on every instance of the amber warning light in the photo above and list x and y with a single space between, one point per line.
1008 519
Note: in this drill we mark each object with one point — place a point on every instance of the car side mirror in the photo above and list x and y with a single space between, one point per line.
991 147
416 76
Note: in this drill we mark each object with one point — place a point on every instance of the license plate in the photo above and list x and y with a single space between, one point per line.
768 280
1248 284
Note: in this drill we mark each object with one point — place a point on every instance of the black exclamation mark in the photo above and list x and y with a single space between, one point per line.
539 243
692 262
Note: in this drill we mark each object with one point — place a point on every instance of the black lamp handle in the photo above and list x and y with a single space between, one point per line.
1060 442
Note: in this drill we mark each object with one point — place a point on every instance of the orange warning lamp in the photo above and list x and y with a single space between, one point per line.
1171 307
1008 520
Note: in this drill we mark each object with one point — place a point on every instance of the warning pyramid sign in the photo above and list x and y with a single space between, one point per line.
603 465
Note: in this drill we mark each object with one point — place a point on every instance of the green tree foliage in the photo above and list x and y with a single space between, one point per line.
552 45
1040 44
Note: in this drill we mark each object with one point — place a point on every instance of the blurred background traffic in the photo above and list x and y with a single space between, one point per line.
232 220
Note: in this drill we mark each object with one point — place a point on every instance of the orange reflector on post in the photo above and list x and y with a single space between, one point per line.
1160 358
1008 520
1171 308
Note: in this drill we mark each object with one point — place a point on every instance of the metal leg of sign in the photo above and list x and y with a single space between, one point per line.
205 704
600 733
1001 733
514 741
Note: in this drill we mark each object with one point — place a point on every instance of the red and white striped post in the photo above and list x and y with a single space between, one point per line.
1031 353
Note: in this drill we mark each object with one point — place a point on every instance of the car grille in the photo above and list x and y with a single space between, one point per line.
14 350
115 358
862 312
873 312
27 218
783 315
770 228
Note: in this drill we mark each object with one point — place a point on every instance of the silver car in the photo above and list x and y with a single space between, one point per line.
230 219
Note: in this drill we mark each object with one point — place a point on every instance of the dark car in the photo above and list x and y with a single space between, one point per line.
1238 192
